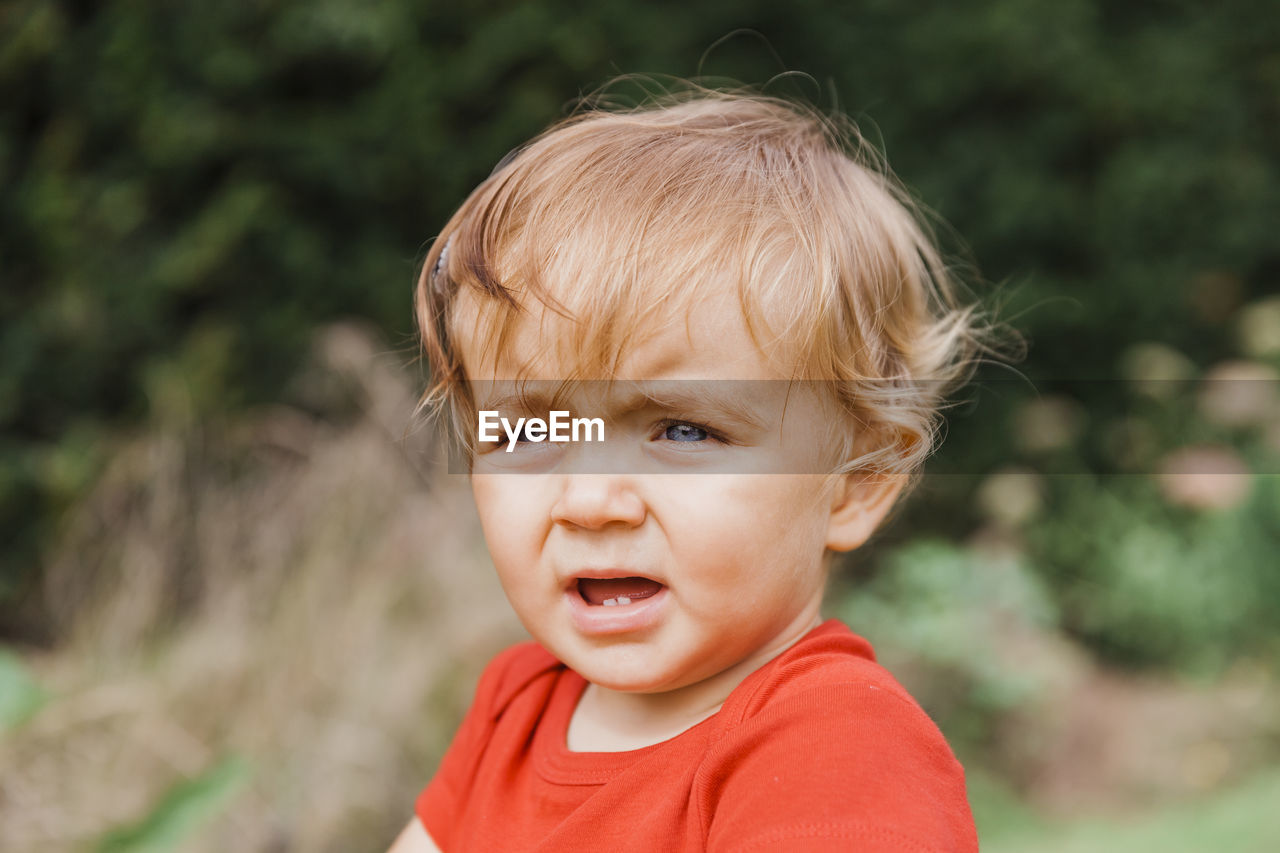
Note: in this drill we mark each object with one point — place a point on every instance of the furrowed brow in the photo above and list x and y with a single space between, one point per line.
537 401
714 400
748 404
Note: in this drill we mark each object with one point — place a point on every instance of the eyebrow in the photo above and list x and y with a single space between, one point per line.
698 399
529 402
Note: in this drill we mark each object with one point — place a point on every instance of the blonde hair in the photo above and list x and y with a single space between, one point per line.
616 220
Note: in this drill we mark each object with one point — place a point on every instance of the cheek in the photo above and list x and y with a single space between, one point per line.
739 525
514 534
779 507
508 509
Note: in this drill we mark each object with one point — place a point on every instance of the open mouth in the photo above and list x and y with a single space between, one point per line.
616 592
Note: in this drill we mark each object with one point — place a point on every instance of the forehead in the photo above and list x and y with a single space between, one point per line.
710 338
698 360
703 367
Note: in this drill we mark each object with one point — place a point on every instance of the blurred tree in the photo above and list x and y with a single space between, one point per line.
186 189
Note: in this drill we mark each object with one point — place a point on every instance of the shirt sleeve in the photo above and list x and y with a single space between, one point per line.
442 799
838 767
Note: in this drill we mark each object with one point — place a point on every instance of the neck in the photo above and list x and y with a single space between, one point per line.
612 721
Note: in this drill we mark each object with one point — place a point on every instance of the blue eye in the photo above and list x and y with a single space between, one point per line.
685 432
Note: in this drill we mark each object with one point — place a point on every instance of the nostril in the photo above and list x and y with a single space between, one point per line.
594 501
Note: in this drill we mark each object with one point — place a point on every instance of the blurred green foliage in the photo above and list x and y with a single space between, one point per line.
1146 583
187 189
958 614
1241 819
181 811
21 696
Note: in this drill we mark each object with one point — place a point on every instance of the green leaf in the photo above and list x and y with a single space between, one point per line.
20 695
181 811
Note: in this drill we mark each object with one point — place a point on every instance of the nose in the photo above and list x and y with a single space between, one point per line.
595 501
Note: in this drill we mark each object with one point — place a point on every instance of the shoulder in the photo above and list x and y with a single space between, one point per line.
833 711
510 672
829 659
825 740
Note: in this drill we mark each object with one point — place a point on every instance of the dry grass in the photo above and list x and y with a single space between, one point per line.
295 590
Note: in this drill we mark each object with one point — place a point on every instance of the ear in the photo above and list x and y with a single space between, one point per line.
859 502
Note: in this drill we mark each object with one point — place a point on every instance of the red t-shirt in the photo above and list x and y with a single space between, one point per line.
818 750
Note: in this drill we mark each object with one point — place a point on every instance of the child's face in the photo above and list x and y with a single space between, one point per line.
739 556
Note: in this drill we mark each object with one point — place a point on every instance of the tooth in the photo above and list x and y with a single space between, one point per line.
611 602
622 599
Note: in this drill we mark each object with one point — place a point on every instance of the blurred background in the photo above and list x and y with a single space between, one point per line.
241 606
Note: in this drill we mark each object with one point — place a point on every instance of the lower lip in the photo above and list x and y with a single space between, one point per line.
599 620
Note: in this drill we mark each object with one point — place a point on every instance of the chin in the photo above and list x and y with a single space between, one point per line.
625 685
622 678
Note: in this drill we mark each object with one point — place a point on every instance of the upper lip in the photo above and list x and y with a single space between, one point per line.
604 574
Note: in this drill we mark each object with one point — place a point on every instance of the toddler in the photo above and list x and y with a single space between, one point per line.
744 314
